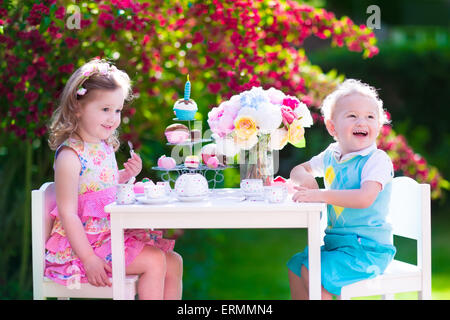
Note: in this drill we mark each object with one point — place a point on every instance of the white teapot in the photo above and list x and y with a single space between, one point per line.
191 185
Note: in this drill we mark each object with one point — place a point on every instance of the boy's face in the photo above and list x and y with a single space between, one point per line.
355 123
100 115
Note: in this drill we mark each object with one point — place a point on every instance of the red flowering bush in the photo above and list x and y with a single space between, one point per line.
225 46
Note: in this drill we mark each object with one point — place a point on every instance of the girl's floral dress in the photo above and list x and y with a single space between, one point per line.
98 177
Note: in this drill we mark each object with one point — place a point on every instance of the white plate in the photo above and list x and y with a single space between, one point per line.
145 200
253 194
192 199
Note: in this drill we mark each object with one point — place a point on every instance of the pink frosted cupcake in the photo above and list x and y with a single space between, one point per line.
177 133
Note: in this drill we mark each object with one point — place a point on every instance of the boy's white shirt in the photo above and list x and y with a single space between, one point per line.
378 167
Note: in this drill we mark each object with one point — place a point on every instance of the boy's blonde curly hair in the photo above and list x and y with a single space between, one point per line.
102 76
346 88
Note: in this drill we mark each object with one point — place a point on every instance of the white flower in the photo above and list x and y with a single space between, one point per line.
278 139
103 69
253 98
246 111
275 96
268 117
302 111
235 101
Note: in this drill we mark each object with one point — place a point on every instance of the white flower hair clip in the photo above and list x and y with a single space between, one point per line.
81 91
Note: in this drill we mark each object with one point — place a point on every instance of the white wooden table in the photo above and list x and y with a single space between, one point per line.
221 210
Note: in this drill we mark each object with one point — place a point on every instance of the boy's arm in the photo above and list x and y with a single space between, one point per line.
67 174
356 198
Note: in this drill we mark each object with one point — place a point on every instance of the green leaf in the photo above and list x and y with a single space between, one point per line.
45 23
53 9
300 144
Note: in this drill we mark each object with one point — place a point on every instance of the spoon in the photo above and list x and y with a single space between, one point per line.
131 148
133 179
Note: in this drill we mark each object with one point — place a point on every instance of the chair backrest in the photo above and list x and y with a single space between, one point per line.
42 202
407 207
410 214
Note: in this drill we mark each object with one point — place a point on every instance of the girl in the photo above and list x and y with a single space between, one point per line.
83 133
357 176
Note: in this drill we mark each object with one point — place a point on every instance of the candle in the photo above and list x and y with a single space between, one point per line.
187 89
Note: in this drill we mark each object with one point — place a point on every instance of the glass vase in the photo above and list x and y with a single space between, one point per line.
258 162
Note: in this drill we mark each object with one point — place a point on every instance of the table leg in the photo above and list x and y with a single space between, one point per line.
118 257
314 256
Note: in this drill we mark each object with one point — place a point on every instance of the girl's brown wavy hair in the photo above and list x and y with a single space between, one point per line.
64 122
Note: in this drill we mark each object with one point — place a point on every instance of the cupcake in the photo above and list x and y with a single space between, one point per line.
208 151
192 162
177 133
140 185
185 109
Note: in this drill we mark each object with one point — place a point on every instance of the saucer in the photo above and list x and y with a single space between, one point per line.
192 199
145 200
253 194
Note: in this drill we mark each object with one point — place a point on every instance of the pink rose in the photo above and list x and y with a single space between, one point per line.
221 118
275 96
291 102
288 115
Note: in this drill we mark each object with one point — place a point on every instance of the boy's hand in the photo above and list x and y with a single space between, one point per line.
307 195
133 166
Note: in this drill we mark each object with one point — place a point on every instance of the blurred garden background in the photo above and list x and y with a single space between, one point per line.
304 48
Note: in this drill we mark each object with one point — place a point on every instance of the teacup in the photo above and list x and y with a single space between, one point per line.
166 186
125 193
252 186
155 191
275 194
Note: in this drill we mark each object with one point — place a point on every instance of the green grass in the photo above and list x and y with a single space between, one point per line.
251 264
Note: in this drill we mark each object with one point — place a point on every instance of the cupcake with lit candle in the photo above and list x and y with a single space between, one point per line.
186 108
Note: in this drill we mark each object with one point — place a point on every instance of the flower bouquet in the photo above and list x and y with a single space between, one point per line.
256 122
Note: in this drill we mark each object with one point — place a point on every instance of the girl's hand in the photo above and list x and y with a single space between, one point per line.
96 268
133 166
307 195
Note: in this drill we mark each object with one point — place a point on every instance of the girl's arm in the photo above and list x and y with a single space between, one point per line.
356 198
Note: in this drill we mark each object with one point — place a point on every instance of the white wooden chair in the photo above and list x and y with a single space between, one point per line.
410 216
43 201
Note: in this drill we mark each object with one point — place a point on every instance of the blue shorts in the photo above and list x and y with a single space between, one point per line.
346 259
